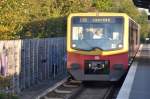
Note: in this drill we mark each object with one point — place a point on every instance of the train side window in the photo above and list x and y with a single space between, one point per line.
136 36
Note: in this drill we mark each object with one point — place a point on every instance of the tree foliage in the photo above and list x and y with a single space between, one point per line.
47 18
103 5
5 82
145 27
8 96
23 18
12 15
140 17
126 6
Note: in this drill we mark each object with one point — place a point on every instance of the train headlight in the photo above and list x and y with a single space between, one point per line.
73 45
120 45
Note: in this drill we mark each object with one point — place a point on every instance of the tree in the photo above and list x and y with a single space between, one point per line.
16 15
143 21
12 15
47 18
103 5
127 6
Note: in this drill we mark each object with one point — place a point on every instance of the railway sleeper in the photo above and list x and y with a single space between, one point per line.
45 97
63 91
75 81
70 86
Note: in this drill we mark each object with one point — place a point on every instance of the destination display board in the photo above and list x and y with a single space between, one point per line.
78 20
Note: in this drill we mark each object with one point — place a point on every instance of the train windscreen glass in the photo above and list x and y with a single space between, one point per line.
105 33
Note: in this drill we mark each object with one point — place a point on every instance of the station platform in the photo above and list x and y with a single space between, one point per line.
137 81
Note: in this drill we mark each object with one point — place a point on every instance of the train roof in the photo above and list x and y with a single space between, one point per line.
100 14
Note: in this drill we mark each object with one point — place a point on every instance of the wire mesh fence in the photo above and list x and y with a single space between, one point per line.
32 61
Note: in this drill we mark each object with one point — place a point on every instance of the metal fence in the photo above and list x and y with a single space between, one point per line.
33 61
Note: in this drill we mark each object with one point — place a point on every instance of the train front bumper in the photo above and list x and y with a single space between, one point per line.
86 75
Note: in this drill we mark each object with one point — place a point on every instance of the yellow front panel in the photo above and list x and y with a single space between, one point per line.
97 51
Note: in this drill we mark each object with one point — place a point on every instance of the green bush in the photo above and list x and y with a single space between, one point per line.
5 82
14 97
8 96
3 96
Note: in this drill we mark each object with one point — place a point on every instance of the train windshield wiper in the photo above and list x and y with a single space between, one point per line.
94 48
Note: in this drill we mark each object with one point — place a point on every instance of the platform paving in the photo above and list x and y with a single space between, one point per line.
137 82
141 85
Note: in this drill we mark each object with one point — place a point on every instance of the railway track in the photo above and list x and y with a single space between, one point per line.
94 92
62 91
76 90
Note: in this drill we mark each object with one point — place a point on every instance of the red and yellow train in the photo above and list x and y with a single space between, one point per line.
100 46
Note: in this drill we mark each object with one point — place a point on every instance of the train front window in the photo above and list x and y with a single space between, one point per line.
105 33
